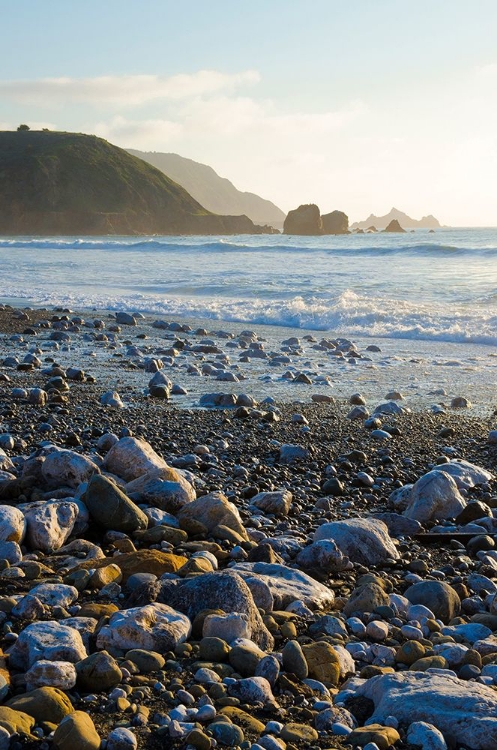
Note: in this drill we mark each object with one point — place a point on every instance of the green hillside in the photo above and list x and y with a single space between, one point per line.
216 193
69 183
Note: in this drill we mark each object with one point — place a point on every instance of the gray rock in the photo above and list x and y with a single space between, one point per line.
322 557
111 508
166 489
112 398
212 511
49 524
125 319
425 736
466 474
286 584
434 497
130 457
398 525
437 596
64 468
11 552
121 738
366 598
465 712
12 524
253 690
290 453
224 590
363 540
277 503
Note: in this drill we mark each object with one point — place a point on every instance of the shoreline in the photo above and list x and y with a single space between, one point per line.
428 374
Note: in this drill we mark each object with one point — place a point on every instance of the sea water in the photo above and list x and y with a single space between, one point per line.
428 299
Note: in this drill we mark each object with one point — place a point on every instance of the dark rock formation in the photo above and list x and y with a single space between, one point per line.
394 226
335 223
304 220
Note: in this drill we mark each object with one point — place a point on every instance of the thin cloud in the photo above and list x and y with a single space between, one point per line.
124 90
487 71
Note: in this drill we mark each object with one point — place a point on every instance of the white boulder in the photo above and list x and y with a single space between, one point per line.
363 540
434 497
57 674
49 523
48 640
155 627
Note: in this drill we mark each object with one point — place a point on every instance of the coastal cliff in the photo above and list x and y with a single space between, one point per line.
68 183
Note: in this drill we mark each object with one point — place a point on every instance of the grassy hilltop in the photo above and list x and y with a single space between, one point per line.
70 183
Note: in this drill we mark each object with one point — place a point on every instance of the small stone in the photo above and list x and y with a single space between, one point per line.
381 736
121 738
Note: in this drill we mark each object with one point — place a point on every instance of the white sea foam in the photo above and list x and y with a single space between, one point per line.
420 287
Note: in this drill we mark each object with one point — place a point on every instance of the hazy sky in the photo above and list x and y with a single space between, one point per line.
356 105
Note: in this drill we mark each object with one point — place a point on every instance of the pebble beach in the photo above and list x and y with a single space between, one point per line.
223 535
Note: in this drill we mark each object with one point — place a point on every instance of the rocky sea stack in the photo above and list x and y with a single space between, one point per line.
394 226
69 183
307 220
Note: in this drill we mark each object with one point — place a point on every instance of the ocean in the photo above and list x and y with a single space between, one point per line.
418 286
429 301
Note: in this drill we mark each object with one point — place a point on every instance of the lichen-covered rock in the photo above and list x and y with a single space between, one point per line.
155 627
363 540
76 732
322 662
142 561
99 671
16 721
43 704
48 640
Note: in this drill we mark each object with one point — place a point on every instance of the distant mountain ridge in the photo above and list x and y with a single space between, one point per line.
215 193
68 183
405 221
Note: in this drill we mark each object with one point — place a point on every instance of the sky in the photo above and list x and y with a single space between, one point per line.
356 105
